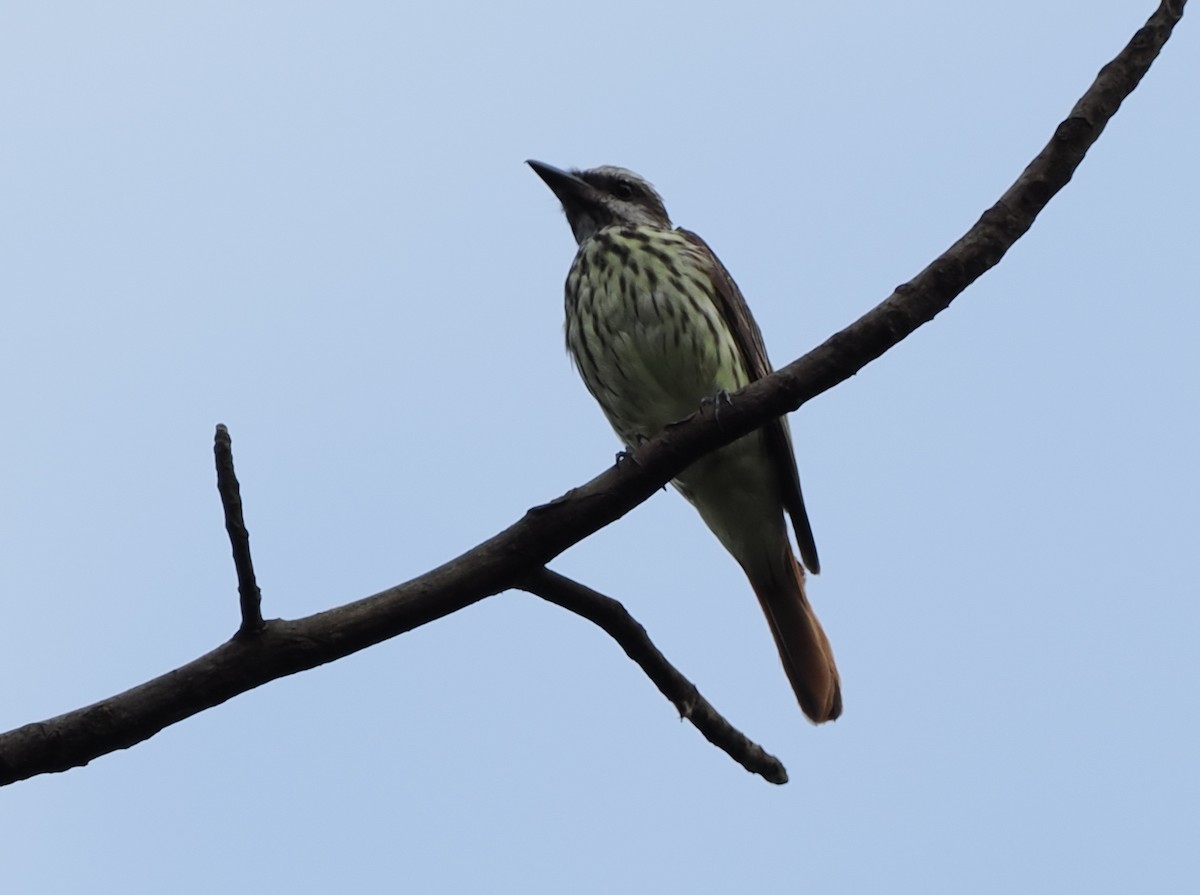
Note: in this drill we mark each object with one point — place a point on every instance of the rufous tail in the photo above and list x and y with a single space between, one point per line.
803 647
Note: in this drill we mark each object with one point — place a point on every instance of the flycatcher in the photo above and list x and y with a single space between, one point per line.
656 326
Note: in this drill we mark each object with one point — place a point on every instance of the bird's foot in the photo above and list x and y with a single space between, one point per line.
626 456
715 402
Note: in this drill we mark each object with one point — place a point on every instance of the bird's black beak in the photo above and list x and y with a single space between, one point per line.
581 202
572 192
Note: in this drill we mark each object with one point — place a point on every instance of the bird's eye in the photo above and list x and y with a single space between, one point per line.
623 189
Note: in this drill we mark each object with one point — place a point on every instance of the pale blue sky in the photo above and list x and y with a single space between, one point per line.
311 221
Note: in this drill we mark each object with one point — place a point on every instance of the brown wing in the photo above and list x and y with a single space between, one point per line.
777 436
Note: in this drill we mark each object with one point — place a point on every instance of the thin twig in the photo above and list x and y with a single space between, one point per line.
249 596
611 616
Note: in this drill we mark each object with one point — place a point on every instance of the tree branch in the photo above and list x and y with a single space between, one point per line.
249 596
614 619
501 562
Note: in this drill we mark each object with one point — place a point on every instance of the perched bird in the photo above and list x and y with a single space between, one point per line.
656 326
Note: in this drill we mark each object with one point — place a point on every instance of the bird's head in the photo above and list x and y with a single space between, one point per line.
603 197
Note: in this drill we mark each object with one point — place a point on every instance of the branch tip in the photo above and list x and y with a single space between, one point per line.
615 620
249 595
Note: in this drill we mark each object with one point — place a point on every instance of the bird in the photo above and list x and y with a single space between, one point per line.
657 328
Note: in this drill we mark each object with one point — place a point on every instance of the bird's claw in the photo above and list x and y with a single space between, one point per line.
715 402
626 456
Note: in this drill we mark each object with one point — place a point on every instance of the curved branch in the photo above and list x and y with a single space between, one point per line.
286 647
622 627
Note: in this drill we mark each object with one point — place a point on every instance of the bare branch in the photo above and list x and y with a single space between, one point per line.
918 301
249 595
501 562
610 615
